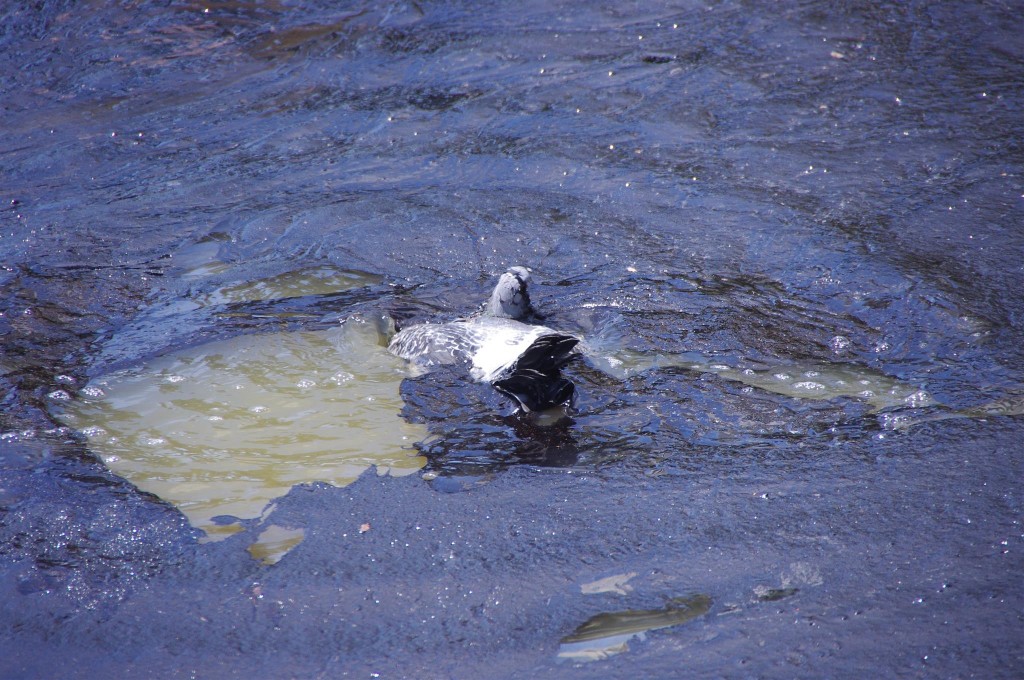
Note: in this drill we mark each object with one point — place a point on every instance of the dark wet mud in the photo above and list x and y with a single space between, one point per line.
789 237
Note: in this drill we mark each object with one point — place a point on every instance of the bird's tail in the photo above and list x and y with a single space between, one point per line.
535 380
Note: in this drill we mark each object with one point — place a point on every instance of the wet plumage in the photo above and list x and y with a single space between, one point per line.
522 360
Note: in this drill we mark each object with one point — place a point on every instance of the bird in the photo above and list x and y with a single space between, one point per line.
521 360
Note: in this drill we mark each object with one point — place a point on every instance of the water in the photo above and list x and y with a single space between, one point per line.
224 428
721 194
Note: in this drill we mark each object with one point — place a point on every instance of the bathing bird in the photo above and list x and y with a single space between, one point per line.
520 359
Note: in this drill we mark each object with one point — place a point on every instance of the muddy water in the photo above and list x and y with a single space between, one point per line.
757 206
224 428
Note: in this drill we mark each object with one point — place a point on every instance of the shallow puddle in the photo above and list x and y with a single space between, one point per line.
609 633
225 427
274 542
802 381
316 281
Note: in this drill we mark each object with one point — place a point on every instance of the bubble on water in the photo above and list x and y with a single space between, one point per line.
811 374
111 459
919 399
92 391
839 343
58 395
719 367
93 431
894 421
154 441
880 347
866 394
175 378
215 418
785 377
65 379
809 385
306 383
258 409
341 377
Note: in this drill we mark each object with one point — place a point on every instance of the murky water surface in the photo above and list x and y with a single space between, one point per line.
789 236
224 428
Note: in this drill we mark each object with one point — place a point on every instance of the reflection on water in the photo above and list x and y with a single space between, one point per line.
609 633
223 428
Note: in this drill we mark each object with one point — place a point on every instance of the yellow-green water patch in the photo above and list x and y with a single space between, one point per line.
274 542
802 381
609 633
828 381
322 280
224 428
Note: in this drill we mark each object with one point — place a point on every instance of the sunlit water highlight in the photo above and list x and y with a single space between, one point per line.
223 428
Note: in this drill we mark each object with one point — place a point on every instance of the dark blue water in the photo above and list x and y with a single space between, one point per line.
791 184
